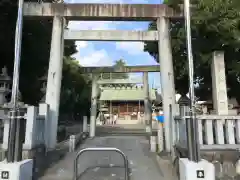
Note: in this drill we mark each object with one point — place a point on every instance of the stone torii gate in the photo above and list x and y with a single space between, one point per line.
106 12
95 71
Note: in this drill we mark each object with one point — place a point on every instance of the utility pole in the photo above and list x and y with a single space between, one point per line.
191 124
14 152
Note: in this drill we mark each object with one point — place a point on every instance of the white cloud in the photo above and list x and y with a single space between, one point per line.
90 25
96 58
91 56
130 47
81 44
87 55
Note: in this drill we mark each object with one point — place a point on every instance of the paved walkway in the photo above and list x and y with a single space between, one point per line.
109 166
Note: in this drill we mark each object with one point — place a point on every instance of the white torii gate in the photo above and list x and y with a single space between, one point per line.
96 82
113 12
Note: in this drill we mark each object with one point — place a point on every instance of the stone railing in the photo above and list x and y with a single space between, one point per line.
37 126
215 132
219 139
36 129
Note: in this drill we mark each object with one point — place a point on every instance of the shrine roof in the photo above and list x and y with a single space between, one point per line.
134 94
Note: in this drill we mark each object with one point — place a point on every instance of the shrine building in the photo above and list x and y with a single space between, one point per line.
127 102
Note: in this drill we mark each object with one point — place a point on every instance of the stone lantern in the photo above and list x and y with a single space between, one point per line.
43 89
184 105
5 82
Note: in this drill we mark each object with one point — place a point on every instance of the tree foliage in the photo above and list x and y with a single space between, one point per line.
36 42
215 26
76 93
118 64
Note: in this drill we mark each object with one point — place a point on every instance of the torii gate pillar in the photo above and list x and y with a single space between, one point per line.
93 106
167 79
55 78
147 104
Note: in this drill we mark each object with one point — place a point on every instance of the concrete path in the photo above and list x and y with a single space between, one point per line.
109 166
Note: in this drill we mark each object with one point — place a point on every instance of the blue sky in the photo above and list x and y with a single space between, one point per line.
103 53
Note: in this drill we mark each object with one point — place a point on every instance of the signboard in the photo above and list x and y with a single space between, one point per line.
160 118
5 175
200 174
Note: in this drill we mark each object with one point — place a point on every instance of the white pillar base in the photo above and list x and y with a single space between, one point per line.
92 127
85 124
98 122
148 129
153 144
238 167
17 171
160 138
190 170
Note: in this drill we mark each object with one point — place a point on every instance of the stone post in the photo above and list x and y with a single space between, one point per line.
5 134
219 89
147 104
167 77
44 112
85 124
55 77
30 134
93 106
43 89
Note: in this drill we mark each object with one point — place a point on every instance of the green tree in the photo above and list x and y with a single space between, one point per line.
35 60
215 26
118 64
75 94
35 49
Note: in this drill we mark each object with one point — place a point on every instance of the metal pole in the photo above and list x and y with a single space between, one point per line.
17 56
20 134
11 137
192 128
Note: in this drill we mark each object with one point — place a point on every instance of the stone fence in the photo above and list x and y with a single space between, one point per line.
215 132
219 139
36 130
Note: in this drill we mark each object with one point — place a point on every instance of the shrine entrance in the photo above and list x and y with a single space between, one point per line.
129 99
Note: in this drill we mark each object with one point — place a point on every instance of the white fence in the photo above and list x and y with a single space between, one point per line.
215 132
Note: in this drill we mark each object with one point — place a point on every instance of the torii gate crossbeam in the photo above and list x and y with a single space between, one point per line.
101 12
